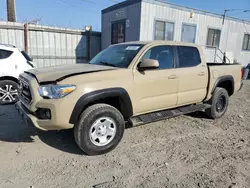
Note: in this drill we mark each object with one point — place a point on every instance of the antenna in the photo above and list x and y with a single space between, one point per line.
227 10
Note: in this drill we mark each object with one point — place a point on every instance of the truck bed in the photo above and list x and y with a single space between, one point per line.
219 71
221 64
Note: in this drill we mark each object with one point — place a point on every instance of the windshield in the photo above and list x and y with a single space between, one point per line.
26 56
117 55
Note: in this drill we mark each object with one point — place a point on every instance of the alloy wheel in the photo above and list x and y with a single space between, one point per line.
8 94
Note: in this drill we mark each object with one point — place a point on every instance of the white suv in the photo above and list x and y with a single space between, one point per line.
13 62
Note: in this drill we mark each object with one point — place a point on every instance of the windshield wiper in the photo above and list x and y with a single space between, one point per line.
107 63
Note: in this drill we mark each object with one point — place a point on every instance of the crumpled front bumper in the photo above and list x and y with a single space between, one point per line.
28 118
57 122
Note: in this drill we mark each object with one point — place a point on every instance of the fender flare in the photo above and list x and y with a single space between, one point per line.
82 103
222 79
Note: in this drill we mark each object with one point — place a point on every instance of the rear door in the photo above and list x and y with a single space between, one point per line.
192 74
6 65
157 89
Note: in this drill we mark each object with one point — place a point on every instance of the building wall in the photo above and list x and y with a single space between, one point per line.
95 45
50 46
232 32
130 13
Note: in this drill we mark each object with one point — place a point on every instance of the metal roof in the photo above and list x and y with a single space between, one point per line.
120 5
171 5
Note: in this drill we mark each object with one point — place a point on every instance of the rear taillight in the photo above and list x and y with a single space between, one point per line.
242 73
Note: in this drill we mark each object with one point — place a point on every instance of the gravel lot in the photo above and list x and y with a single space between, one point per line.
188 151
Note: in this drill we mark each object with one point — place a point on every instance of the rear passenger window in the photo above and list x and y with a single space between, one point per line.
5 54
188 56
163 54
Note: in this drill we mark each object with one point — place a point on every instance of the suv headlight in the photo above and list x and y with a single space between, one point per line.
55 91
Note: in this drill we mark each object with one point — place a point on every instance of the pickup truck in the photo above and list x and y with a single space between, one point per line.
129 83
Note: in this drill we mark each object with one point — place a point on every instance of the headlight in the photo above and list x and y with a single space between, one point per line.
55 91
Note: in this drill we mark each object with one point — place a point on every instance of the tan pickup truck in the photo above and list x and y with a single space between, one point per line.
133 83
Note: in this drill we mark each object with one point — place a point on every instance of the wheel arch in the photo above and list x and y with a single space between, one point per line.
12 78
116 97
226 82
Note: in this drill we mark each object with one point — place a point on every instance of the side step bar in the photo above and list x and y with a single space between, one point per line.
165 114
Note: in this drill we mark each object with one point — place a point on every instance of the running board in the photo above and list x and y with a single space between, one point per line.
161 115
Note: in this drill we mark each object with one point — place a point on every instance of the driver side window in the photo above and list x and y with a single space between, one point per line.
163 54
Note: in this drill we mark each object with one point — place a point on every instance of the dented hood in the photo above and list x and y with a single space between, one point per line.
57 73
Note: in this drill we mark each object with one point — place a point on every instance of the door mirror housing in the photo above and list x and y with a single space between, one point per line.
148 64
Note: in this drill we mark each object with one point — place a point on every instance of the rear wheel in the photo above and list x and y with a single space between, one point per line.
99 129
219 103
8 92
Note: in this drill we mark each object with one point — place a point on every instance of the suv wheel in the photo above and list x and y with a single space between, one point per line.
8 92
99 129
219 103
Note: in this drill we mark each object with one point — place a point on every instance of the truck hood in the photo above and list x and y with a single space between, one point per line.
58 73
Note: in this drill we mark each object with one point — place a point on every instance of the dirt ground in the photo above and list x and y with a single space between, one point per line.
188 151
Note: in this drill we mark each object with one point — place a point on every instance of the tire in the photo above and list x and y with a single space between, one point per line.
219 103
8 92
90 127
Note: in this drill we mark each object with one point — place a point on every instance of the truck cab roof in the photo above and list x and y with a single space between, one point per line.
159 42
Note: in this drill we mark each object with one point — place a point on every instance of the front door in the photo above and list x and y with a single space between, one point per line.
156 89
118 32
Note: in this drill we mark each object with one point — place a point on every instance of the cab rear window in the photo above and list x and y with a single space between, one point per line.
188 56
5 54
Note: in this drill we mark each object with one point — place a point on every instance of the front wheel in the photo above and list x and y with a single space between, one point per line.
8 92
219 103
99 129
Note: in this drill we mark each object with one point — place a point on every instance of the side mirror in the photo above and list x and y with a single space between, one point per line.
148 64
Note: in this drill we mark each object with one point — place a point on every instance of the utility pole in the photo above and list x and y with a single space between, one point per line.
26 33
11 10
88 30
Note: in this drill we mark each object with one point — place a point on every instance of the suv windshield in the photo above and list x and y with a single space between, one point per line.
117 55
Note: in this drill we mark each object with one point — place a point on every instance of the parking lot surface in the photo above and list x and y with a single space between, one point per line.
187 151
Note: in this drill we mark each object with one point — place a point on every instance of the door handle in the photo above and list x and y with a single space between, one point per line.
201 73
172 77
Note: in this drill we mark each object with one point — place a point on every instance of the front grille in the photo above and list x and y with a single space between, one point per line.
24 91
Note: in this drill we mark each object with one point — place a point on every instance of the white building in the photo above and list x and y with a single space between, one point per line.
158 20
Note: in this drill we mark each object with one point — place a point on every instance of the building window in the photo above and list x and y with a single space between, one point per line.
213 38
188 33
118 32
164 30
246 42
169 31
